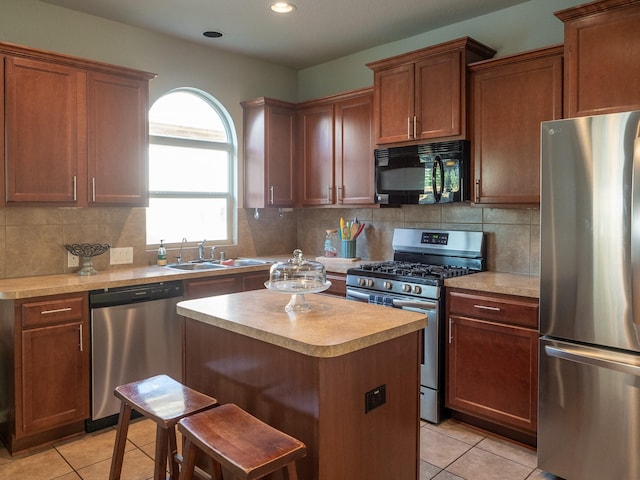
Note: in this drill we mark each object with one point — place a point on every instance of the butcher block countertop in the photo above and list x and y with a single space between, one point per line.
496 282
333 327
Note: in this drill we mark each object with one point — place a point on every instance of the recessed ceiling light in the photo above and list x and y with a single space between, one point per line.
282 7
212 34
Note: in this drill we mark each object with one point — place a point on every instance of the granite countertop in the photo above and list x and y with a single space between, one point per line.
496 282
29 287
333 327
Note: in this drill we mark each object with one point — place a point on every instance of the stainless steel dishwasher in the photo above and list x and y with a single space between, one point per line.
135 333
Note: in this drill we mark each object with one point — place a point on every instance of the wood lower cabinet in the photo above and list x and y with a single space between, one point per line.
492 361
50 364
224 284
602 47
421 95
335 145
510 96
338 286
269 153
75 130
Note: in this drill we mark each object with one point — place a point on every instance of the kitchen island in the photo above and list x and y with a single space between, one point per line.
317 376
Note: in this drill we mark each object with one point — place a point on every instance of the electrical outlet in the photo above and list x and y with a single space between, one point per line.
374 398
72 260
120 256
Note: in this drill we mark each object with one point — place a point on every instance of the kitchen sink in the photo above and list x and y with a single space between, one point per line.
203 265
194 266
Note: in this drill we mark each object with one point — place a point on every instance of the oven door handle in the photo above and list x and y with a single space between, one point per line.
417 304
358 295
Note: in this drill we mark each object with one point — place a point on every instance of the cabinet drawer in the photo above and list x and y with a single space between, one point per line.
52 311
501 308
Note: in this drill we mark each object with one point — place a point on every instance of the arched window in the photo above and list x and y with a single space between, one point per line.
192 158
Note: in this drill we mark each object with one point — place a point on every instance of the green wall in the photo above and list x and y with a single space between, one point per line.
516 29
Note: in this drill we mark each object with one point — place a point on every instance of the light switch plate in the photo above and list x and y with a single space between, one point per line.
120 256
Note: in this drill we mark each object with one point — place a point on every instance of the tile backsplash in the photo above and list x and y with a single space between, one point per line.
32 238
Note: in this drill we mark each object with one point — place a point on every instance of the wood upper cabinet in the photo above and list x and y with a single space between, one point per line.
52 364
269 153
422 95
75 130
45 131
118 139
602 47
335 145
492 358
510 96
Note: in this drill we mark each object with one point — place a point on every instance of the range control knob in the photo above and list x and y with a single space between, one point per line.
370 282
362 282
406 288
388 285
417 289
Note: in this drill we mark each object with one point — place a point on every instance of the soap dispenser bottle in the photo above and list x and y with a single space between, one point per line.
162 255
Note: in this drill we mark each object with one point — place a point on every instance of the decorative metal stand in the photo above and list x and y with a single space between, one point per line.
86 251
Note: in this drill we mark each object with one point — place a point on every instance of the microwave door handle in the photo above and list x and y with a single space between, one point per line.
437 192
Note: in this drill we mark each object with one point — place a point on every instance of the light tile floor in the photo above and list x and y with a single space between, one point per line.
449 451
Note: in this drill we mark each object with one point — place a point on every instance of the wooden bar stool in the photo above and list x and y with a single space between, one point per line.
165 401
239 442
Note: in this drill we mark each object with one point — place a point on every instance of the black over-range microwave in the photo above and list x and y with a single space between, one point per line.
423 174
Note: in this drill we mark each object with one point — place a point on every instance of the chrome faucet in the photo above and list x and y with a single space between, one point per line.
201 250
184 239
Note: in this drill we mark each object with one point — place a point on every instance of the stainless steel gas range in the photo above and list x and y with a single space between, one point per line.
414 280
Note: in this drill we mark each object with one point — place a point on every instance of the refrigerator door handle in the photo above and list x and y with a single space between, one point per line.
587 358
635 229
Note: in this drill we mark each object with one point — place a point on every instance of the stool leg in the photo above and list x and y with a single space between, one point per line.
290 472
189 452
173 452
121 441
162 447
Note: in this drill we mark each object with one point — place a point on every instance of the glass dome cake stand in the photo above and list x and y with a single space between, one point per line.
87 251
297 277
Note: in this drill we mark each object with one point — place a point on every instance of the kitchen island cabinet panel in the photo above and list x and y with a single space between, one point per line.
320 401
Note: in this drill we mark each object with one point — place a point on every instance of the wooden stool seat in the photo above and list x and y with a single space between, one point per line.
165 401
239 442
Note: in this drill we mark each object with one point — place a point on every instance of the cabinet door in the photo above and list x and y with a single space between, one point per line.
438 96
492 371
54 377
118 140
45 131
207 287
315 134
280 157
509 100
354 146
602 50
254 280
394 104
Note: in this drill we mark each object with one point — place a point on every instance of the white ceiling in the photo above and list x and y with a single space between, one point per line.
316 32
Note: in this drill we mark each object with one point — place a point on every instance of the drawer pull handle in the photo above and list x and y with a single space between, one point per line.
57 310
486 307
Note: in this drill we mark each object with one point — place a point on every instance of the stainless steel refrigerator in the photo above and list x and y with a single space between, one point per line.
589 371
